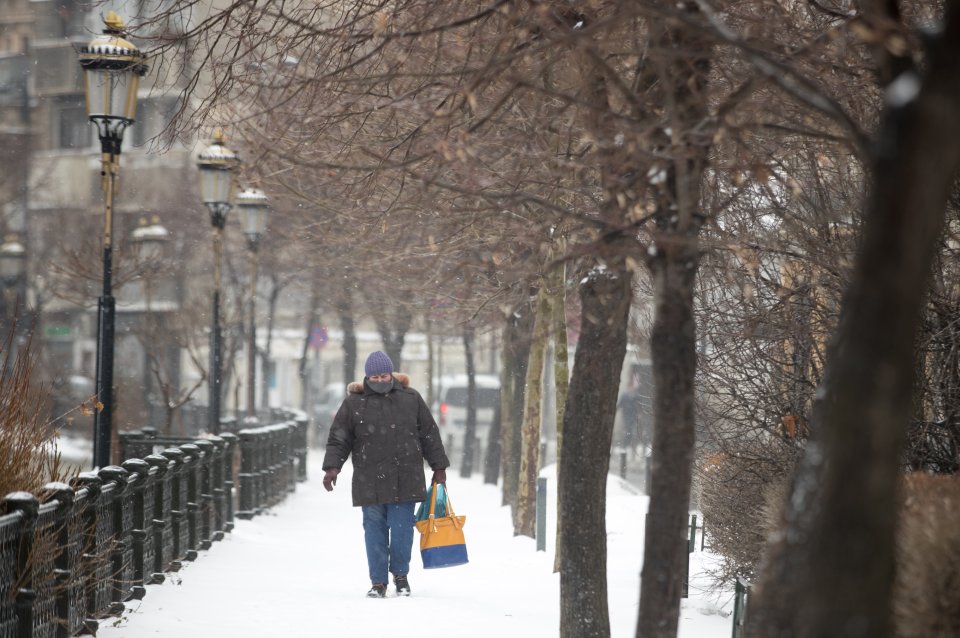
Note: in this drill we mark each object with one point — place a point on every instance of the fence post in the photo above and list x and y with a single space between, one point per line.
303 429
158 516
63 568
178 505
205 490
118 544
541 514
139 475
623 464
92 483
29 508
191 459
247 477
230 442
216 478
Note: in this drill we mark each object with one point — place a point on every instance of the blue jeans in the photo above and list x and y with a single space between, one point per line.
388 534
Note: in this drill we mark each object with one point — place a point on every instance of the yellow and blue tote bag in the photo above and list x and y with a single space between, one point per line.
441 539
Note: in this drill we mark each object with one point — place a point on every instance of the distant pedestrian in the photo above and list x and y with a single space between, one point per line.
387 428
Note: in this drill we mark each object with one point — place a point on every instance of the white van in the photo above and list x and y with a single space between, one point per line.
451 408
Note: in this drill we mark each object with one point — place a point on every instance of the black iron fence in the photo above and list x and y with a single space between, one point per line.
73 556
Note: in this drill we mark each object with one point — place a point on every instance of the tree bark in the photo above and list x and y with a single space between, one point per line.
588 429
348 327
266 362
516 340
525 522
674 357
832 573
673 259
561 373
470 431
305 352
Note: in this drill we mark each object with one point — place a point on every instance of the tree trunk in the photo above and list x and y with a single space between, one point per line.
833 571
348 327
394 334
673 350
266 362
673 259
491 460
561 373
305 352
470 431
516 341
525 521
587 432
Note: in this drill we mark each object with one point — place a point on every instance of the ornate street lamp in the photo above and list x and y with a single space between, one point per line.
112 68
254 207
217 165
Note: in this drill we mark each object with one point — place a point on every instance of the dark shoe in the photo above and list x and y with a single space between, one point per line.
403 587
378 590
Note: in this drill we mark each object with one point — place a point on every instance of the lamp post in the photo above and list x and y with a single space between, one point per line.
253 206
148 242
217 165
112 68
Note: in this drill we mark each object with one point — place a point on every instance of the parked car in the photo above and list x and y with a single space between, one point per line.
451 408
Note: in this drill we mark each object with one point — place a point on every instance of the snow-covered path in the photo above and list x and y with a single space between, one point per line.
300 570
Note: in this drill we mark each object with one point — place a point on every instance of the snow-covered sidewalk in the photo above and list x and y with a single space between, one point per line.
300 570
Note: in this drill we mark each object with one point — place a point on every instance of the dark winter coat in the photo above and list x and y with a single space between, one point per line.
389 436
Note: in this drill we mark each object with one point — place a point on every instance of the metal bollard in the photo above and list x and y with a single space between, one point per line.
692 545
541 514
740 599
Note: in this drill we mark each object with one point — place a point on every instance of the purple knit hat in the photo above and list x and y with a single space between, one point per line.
378 363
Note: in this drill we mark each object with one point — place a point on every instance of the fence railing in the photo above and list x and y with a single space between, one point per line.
73 556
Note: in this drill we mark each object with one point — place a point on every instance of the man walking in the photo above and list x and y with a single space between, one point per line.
387 428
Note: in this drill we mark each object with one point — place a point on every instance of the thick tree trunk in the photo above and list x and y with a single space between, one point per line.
516 340
525 521
673 350
588 430
673 258
832 573
470 431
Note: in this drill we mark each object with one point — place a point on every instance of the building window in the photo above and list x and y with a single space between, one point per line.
73 128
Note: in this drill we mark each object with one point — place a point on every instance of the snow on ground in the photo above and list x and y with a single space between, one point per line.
300 570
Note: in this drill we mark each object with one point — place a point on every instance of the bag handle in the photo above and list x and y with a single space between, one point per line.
433 502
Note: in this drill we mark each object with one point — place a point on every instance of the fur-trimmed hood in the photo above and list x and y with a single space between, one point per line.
357 386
